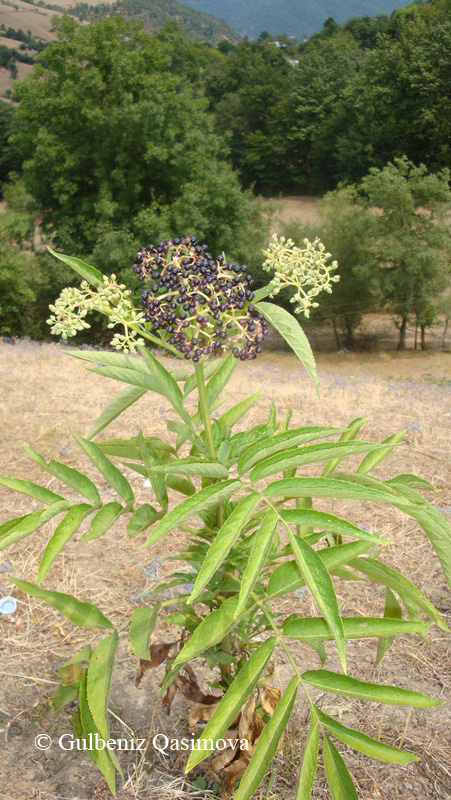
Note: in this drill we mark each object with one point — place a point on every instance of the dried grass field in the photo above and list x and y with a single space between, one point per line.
43 393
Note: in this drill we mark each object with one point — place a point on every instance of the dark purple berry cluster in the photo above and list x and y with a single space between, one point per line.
203 304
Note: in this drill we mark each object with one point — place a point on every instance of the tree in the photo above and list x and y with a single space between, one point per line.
7 160
412 237
115 142
16 295
325 69
396 103
249 95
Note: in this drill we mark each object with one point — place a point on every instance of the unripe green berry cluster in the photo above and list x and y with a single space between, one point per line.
306 269
68 313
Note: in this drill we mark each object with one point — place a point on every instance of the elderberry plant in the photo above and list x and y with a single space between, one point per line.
259 532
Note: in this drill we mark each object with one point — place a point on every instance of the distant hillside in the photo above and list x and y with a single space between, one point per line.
294 17
154 14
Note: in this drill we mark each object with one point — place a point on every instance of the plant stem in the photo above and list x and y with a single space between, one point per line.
203 408
226 644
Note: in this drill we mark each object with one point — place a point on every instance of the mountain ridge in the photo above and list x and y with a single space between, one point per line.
290 16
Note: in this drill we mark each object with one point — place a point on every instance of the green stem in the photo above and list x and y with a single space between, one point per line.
226 644
151 338
203 408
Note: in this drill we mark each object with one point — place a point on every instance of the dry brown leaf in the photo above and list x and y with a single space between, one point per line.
168 698
201 713
269 671
251 723
247 712
270 697
220 762
158 654
191 689
236 769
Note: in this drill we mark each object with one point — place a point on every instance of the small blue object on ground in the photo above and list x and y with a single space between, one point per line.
8 605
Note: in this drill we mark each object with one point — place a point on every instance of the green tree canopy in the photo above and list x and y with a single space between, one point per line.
249 95
116 143
412 237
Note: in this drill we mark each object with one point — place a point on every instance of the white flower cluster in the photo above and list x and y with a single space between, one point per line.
111 299
306 269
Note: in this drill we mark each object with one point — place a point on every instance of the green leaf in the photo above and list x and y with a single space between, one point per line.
191 466
13 530
232 702
65 695
201 501
142 519
88 273
220 378
133 375
326 487
124 399
297 457
373 459
103 521
287 576
166 384
337 683
363 743
30 489
267 743
322 589
438 532
19 528
151 459
68 475
180 374
320 519
392 611
316 628
224 541
320 650
111 473
84 615
83 655
180 485
65 530
309 761
413 481
108 359
380 573
99 680
101 757
70 673
265 448
11 524
129 448
211 630
289 328
184 433
142 623
234 414
338 778
257 558
349 434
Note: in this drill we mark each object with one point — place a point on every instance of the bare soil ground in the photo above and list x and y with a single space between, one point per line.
43 392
